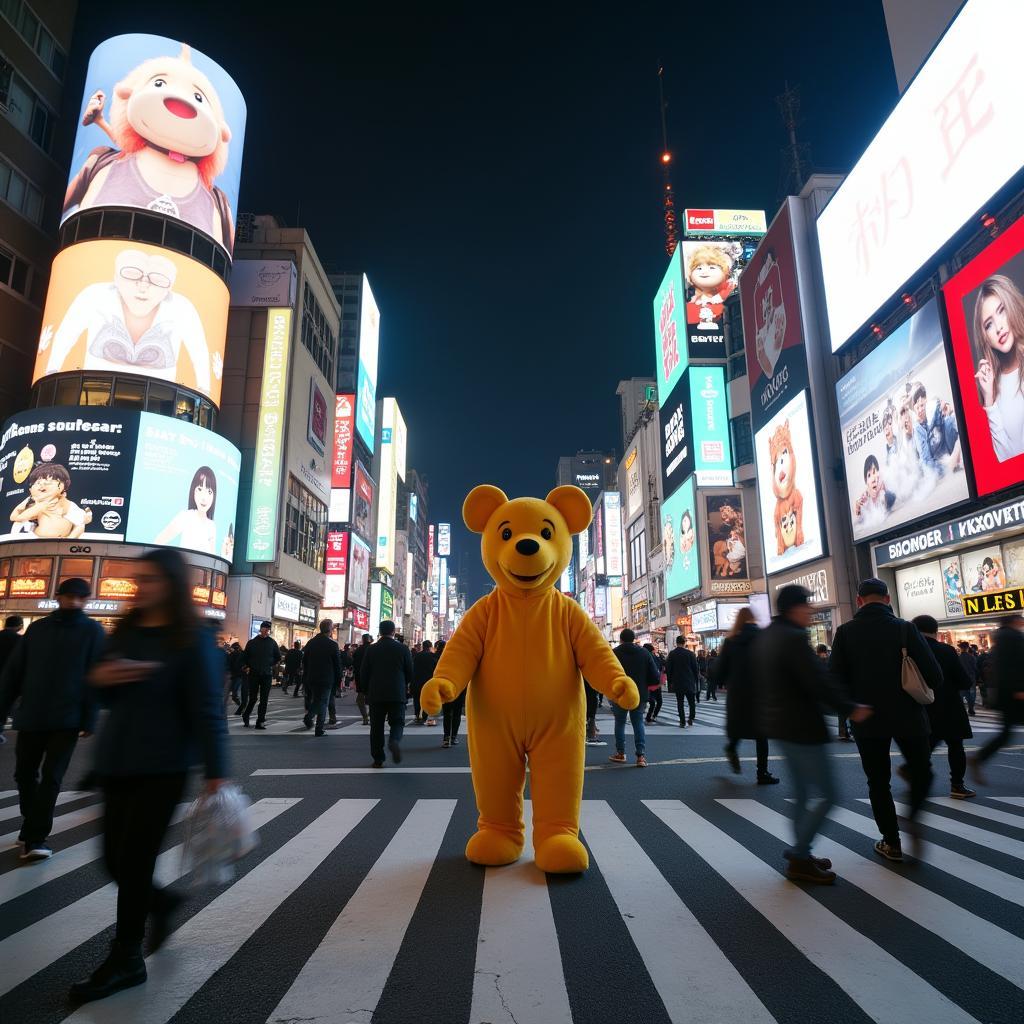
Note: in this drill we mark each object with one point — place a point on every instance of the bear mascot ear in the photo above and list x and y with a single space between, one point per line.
574 505
480 504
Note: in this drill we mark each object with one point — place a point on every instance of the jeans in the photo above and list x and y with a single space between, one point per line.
654 702
968 696
40 761
136 817
682 699
761 748
394 712
810 769
636 719
956 756
874 756
259 689
453 716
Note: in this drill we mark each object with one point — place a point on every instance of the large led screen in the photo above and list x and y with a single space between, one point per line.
953 140
161 129
358 572
362 502
670 352
901 436
985 305
727 545
787 488
127 307
711 272
679 541
366 382
709 416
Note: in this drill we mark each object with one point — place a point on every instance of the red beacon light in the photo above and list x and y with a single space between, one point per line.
876 330
987 220
908 299
666 157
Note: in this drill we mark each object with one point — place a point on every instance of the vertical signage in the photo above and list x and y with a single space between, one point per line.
671 354
709 416
341 463
444 540
613 527
335 569
392 448
634 492
266 477
366 383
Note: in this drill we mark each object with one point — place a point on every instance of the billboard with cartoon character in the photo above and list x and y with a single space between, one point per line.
162 129
679 541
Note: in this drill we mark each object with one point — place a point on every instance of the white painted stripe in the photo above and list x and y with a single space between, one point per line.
710 988
26 878
893 995
991 840
342 981
6 813
997 949
966 869
36 947
1015 801
980 811
63 822
6 794
518 977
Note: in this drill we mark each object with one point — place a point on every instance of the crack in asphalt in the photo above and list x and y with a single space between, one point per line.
497 989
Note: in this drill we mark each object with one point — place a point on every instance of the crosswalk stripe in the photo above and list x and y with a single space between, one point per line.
518 973
992 840
208 940
14 811
6 794
988 944
895 995
966 869
980 811
63 822
651 910
366 936
21 880
33 948
1015 801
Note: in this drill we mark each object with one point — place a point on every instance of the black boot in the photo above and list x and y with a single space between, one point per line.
123 968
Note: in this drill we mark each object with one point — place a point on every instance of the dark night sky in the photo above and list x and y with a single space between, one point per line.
497 177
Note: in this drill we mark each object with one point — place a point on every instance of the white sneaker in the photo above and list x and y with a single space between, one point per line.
34 853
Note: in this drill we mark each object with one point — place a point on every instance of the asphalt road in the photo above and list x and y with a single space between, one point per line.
358 905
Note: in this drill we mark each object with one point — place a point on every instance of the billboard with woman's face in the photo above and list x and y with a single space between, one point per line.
161 129
985 304
127 307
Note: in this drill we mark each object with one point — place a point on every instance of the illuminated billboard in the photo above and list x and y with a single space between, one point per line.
362 501
727 543
392 456
900 433
266 474
711 271
695 431
259 284
671 355
444 540
128 307
161 129
358 585
679 541
951 143
634 491
369 353
316 418
613 533
787 488
724 222
985 305
335 569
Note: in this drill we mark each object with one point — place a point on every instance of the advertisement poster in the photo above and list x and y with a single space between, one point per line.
787 489
128 307
366 381
724 222
679 542
677 454
670 356
634 491
711 272
727 548
358 572
341 459
316 421
709 420
66 474
983 570
335 569
444 540
920 590
900 434
985 305
952 584
161 129
772 322
613 529
362 501
185 487
259 284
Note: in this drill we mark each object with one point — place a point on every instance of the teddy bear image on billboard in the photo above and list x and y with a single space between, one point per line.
789 502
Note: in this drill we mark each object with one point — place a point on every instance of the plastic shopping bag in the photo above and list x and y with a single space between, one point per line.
218 832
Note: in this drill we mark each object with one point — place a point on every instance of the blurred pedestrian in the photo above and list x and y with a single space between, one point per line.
641 667
357 675
293 670
387 673
423 664
10 636
321 664
1006 663
969 663
160 680
682 670
712 676
236 669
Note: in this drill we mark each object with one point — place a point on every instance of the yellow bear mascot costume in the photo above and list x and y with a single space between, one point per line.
521 650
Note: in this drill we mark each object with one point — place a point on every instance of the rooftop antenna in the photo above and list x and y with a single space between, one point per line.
668 198
795 155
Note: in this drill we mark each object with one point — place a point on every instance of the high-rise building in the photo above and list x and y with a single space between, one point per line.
591 471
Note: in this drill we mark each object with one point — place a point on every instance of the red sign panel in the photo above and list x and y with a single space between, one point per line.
337 553
341 460
700 220
360 619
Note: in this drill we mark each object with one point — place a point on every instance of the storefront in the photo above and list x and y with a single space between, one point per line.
939 570
710 621
294 618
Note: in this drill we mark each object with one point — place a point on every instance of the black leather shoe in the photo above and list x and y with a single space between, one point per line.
767 779
320 732
245 722
260 725
123 968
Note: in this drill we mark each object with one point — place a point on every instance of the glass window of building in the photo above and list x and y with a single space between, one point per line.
68 390
305 533
117 579
129 394
95 391
72 568
185 408
319 340
742 440
161 399
637 550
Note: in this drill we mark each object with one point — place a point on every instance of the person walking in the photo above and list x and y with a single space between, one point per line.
969 663
947 715
1006 673
387 673
682 670
592 732
712 676
423 663
46 674
236 669
641 667
160 678
654 694
293 670
736 671
321 663
261 655
867 659
10 636
357 661
792 685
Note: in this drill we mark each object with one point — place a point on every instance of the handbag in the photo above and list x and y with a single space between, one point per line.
911 679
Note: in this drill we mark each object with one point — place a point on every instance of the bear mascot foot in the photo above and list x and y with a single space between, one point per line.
561 855
492 848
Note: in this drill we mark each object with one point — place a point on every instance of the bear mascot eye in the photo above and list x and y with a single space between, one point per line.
546 533
506 534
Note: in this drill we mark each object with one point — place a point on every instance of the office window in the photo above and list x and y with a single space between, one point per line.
317 337
637 550
305 530
742 440
32 30
20 193
129 394
95 391
15 273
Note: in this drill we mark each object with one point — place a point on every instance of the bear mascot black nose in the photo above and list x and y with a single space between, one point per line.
527 546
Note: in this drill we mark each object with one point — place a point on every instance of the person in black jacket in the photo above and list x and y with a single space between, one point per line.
1005 665
321 665
683 674
867 659
10 637
261 655
160 678
236 669
357 660
654 694
293 670
735 670
947 715
423 663
793 684
47 672
641 667
387 674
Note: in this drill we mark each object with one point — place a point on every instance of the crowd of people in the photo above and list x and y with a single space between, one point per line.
165 685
